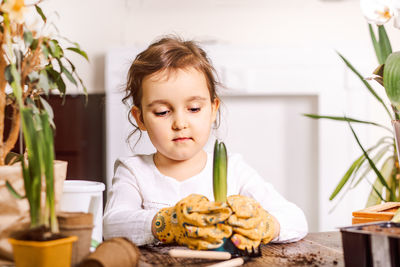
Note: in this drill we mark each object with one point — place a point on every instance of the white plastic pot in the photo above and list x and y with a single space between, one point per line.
85 196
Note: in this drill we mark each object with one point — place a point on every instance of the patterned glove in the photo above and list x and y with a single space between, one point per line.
251 224
195 222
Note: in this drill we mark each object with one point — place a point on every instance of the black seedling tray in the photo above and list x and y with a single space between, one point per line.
371 247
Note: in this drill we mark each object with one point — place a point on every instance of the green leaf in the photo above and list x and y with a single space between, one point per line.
386 170
381 141
40 11
13 191
48 159
391 78
33 173
346 177
382 46
55 49
44 82
71 64
61 86
28 37
380 177
336 118
67 73
376 45
79 51
49 111
367 85
45 51
384 43
376 158
56 78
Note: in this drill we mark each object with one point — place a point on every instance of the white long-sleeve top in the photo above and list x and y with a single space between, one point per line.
139 190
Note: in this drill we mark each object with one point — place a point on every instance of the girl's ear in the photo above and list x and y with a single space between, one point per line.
215 107
137 114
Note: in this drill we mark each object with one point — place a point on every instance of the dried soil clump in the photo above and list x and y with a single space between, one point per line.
311 259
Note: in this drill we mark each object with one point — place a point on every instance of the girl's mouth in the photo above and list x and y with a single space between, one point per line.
181 139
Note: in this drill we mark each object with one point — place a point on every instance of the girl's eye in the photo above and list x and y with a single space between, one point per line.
194 109
162 113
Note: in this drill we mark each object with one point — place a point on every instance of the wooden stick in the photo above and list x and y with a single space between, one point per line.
186 253
229 263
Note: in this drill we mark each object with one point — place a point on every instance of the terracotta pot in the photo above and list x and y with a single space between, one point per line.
78 224
115 252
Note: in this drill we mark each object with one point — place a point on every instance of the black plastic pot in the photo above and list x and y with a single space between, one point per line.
371 248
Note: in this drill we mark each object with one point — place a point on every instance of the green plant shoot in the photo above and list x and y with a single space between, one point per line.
220 170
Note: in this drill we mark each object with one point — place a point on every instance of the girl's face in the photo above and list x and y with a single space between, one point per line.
177 113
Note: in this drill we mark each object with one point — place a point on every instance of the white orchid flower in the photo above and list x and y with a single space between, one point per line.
377 11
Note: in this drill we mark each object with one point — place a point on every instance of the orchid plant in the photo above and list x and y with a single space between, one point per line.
382 158
32 64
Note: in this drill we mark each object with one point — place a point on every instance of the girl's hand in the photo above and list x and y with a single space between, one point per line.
251 224
195 222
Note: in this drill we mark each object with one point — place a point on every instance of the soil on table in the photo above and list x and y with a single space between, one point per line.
40 233
294 258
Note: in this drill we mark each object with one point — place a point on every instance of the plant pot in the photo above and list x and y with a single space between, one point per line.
115 252
77 224
14 213
371 244
54 253
85 196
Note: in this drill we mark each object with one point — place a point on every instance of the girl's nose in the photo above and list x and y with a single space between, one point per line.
179 122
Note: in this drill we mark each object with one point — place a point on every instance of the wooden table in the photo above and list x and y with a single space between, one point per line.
316 249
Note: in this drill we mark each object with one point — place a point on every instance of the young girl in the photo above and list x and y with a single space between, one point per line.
173 89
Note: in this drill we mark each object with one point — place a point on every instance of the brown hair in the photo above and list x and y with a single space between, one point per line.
169 53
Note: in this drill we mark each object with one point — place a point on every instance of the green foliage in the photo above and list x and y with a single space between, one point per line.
42 67
382 46
379 160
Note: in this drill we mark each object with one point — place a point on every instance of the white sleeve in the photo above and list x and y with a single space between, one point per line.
124 215
293 223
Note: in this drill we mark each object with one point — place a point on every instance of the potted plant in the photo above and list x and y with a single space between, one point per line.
32 64
377 243
381 159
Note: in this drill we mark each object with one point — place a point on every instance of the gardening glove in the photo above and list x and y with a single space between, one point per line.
251 224
195 222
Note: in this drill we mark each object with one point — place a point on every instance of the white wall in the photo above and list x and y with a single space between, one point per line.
99 25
